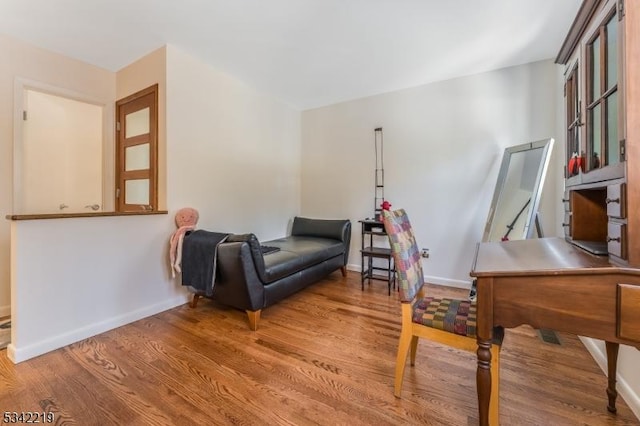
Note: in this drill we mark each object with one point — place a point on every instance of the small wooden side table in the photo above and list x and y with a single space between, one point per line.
371 229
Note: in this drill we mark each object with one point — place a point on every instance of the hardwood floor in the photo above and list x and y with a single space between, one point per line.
324 356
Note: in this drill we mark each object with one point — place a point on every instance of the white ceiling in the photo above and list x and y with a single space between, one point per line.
308 53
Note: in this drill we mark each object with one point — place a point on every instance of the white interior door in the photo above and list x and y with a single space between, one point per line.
61 155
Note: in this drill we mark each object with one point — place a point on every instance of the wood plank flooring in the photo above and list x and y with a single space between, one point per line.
325 356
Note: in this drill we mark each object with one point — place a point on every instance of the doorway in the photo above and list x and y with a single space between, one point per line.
59 167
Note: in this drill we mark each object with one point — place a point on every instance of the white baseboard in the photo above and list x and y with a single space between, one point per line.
5 311
24 353
448 282
428 278
624 390
353 267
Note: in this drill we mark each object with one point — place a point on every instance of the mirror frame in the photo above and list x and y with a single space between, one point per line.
547 146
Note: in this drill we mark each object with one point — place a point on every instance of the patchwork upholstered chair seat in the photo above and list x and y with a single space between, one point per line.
451 315
447 321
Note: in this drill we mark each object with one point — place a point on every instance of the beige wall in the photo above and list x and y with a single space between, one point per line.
21 60
232 153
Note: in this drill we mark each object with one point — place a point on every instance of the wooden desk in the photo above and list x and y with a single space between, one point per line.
549 283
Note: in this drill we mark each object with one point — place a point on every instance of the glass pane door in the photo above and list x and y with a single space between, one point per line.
603 145
137 151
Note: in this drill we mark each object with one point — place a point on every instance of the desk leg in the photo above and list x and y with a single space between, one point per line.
612 369
483 380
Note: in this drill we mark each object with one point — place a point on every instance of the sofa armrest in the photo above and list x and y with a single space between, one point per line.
237 282
256 252
325 228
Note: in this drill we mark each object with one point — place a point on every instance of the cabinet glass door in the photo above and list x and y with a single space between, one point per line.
572 100
603 146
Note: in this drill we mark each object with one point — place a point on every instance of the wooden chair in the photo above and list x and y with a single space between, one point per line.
450 322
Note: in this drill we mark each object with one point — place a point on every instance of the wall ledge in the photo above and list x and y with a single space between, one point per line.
72 215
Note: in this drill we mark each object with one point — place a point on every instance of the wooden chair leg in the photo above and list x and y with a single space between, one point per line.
494 398
254 318
194 300
414 349
343 269
401 360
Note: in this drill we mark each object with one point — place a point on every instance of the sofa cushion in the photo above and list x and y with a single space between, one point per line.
323 228
297 253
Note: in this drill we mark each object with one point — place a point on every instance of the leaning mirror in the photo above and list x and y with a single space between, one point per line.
514 208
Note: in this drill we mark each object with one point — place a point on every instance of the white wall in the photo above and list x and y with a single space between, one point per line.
234 154
74 278
443 144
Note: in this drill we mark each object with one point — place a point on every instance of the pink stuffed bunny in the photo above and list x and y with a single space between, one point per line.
186 220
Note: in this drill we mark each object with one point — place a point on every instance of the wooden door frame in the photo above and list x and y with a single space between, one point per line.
146 97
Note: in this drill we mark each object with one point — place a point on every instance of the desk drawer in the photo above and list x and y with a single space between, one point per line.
628 318
566 200
567 224
616 200
617 239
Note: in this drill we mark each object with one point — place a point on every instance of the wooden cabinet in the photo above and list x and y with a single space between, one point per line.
601 55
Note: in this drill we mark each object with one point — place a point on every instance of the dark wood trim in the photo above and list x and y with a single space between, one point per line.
148 97
136 174
141 93
135 140
631 95
72 215
577 29
573 114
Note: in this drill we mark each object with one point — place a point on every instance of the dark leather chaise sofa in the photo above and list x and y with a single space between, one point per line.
249 280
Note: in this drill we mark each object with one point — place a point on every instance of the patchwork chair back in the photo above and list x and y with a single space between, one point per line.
447 321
